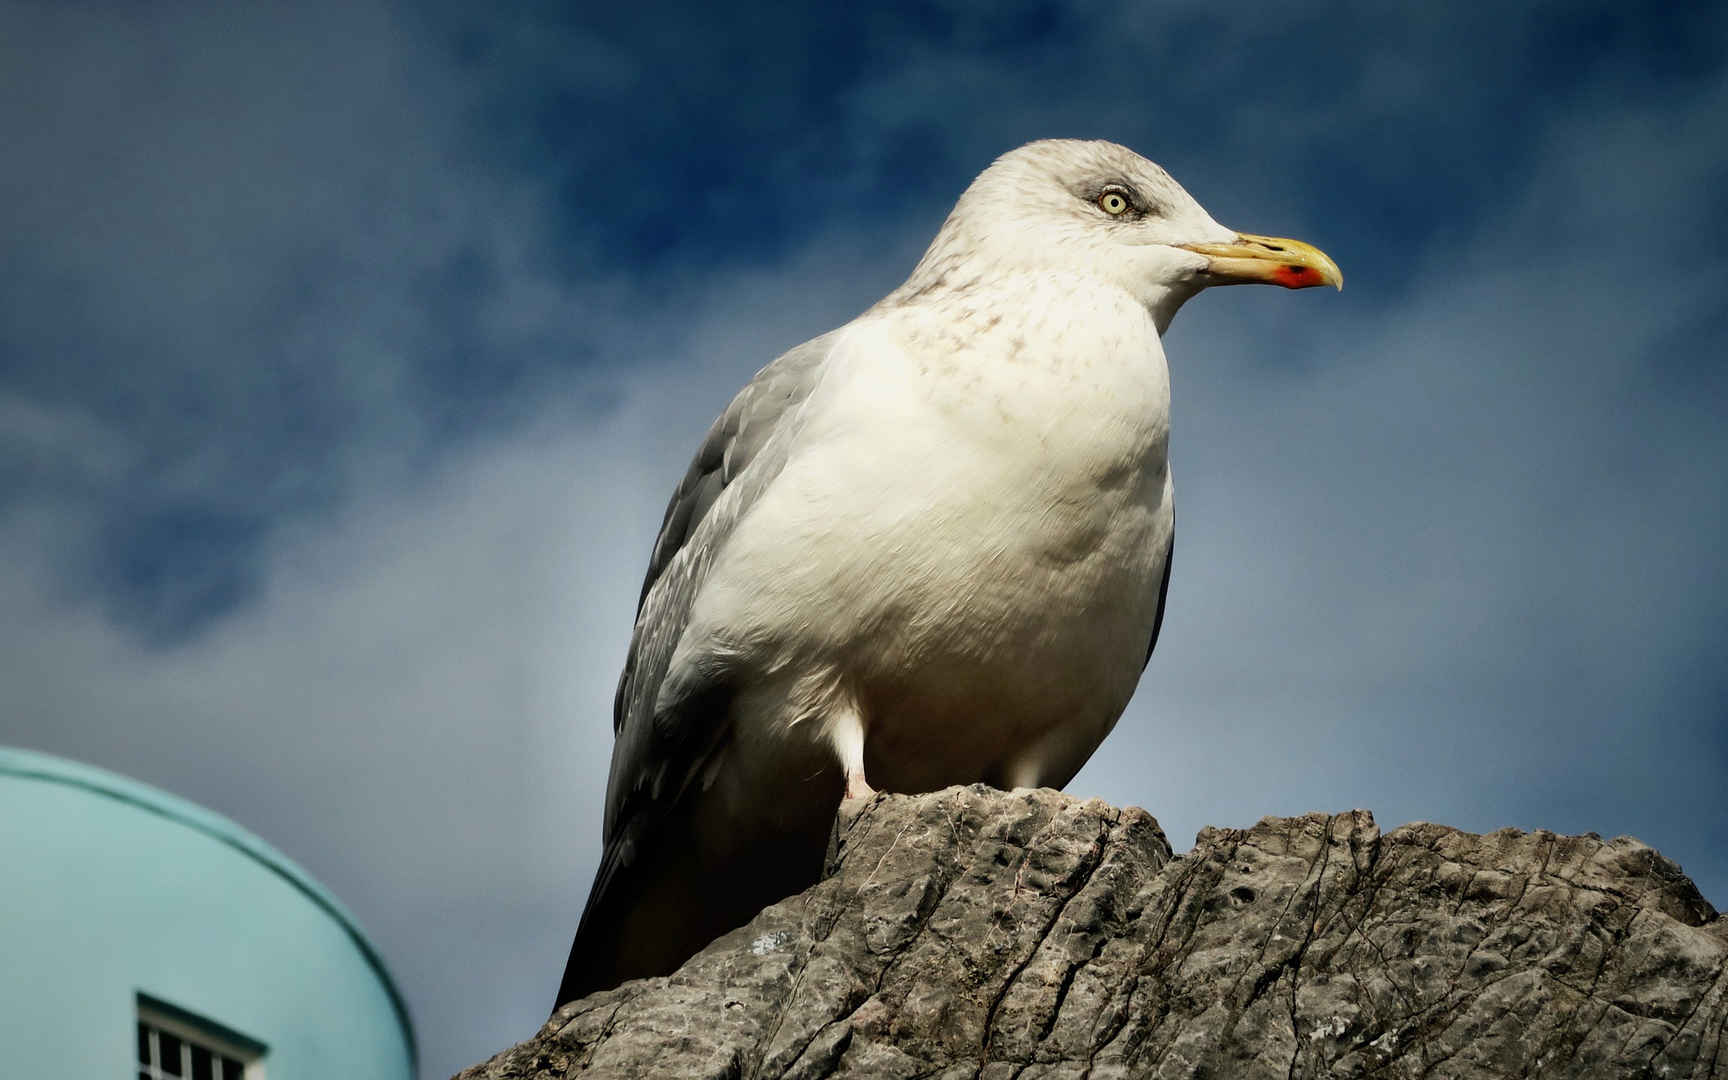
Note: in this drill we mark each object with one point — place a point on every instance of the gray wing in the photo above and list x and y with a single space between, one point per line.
668 729
734 442
1163 595
659 749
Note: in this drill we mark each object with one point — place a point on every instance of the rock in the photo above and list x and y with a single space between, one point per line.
994 935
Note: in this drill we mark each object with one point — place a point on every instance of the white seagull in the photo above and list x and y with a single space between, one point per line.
930 547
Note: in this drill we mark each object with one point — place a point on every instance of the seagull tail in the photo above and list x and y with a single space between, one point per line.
593 963
662 893
650 910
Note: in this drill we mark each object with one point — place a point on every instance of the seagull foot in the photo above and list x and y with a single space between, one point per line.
857 787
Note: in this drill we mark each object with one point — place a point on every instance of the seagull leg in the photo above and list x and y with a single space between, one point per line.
856 786
848 734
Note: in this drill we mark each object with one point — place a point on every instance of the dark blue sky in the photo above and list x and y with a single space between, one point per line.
349 351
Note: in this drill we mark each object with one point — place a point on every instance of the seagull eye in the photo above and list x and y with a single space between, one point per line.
1113 202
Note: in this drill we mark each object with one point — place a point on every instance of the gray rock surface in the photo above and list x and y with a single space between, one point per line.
982 934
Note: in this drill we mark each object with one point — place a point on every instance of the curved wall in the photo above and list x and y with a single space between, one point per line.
110 889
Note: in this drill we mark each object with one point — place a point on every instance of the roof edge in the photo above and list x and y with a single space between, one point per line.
50 768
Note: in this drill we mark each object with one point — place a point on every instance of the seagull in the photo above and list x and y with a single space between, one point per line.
931 547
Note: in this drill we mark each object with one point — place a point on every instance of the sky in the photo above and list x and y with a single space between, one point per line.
349 352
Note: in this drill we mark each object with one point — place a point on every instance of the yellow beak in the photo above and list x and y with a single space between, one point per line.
1269 260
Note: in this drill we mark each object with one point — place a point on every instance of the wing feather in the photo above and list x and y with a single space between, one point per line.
733 442
666 723
1163 595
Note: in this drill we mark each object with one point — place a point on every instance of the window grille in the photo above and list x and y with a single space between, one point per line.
176 1045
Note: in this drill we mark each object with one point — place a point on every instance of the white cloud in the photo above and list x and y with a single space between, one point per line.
418 705
1450 573
1429 561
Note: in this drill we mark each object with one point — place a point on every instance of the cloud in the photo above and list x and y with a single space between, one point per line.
254 267
1477 549
348 355
415 700
414 707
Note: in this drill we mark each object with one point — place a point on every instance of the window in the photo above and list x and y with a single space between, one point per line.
174 1044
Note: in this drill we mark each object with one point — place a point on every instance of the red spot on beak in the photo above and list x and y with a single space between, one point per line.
1296 277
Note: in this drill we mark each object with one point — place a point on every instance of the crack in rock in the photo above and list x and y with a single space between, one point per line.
987 934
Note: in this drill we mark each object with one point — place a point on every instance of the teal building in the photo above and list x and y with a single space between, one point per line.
142 936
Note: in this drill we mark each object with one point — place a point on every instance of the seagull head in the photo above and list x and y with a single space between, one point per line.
1100 210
